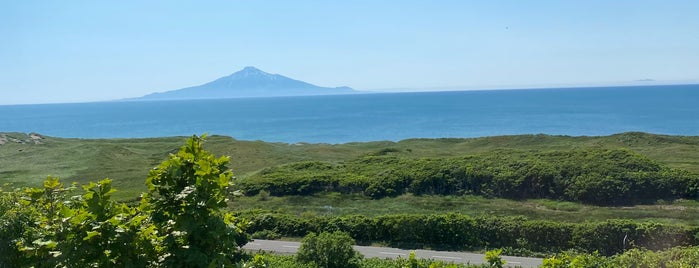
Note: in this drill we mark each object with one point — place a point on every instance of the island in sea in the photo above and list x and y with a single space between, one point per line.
246 83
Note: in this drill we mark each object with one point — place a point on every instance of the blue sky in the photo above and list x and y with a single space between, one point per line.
72 51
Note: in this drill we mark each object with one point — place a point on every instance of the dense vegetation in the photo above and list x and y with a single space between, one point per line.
678 257
675 258
462 232
605 177
601 176
127 161
178 223
333 204
285 261
181 220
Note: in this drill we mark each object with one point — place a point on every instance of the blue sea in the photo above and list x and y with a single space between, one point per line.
370 117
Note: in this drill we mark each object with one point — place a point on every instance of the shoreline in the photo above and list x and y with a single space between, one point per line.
33 137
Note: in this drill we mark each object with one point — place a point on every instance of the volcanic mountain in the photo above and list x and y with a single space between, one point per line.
246 83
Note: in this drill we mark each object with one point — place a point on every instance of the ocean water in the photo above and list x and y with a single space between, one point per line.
369 117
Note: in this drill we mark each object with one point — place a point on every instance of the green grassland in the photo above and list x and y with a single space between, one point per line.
334 204
26 161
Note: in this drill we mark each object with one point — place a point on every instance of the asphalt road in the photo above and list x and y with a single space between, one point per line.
287 247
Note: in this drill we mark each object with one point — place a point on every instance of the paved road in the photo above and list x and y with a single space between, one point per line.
382 252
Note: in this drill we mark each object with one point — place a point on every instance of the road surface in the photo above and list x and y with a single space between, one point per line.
288 247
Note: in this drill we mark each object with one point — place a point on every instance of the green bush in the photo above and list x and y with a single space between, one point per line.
14 222
493 258
266 234
462 232
186 198
88 230
180 222
286 261
679 257
329 250
258 261
595 176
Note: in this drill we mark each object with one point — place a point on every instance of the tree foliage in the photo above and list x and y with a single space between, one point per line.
179 223
186 196
66 230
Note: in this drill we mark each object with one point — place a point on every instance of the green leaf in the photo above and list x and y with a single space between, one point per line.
49 244
91 234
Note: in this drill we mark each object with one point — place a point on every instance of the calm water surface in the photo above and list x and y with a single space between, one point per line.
368 117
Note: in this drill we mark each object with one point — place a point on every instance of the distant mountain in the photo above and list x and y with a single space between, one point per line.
248 82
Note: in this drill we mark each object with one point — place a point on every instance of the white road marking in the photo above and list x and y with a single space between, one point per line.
290 246
391 253
446 257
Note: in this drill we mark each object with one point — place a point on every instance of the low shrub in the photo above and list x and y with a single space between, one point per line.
455 231
328 250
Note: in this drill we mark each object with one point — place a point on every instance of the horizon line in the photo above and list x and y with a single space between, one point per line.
640 83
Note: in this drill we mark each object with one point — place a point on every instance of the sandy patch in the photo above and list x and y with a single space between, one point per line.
32 138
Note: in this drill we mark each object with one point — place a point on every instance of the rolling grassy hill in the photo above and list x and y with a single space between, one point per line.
26 160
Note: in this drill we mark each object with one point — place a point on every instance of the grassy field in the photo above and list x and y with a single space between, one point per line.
334 204
26 161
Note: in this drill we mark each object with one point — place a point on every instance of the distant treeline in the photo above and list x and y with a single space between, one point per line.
593 176
459 232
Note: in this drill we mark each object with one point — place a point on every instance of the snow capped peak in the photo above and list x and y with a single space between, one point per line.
249 69
252 72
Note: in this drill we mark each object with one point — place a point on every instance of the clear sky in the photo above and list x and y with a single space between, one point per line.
71 51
